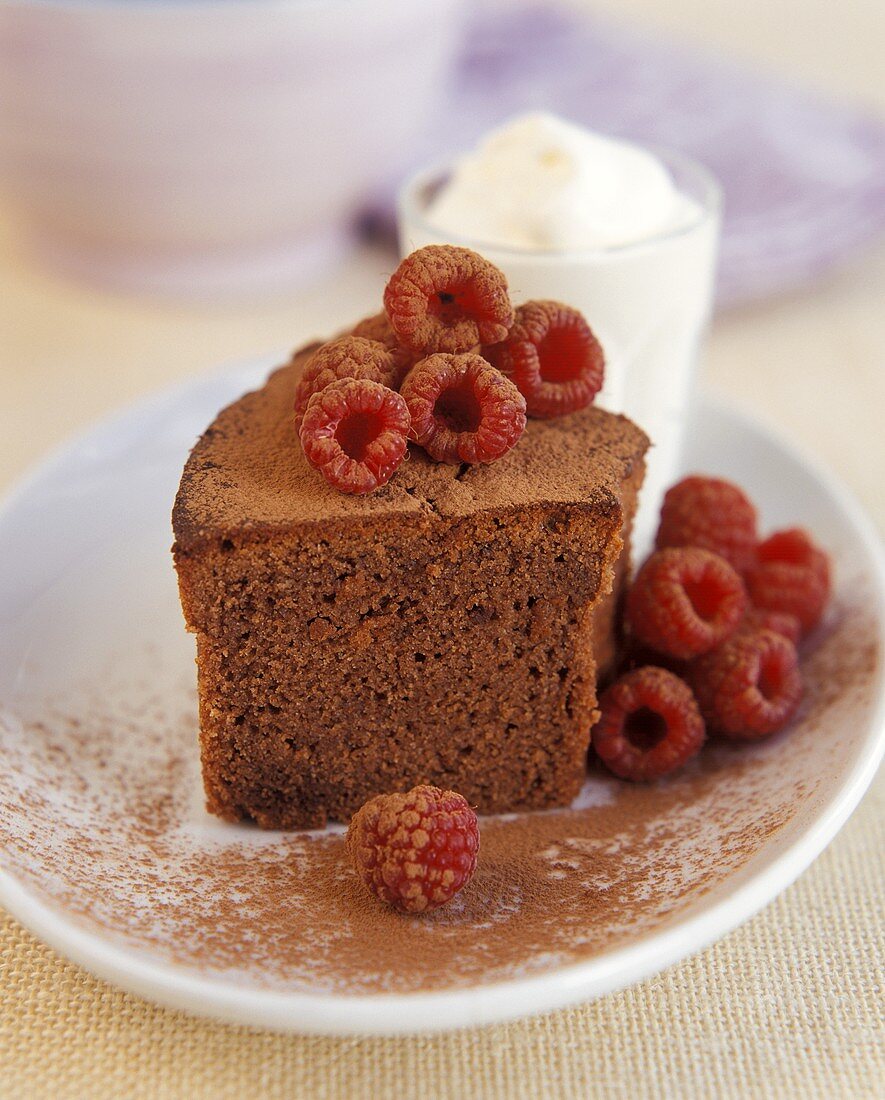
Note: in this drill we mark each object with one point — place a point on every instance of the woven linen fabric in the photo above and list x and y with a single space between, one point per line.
790 1005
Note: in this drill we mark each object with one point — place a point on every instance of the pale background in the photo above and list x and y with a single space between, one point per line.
789 1005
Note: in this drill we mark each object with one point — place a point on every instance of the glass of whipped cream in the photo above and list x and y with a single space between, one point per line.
626 235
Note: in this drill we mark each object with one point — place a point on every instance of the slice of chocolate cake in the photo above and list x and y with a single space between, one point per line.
439 630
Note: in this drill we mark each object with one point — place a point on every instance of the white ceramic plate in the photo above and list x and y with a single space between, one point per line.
108 855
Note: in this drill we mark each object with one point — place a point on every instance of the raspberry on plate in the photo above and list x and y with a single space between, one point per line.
791 575
750 686
355 432
713 514
415 851
684 601
757 618
650 724
348 357
462 409
443 298
553 357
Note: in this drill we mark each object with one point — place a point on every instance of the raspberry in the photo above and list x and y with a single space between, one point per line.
780 622
685 601
650 724
443 298
750 686
348 357
462 409
710 513
553 357
791 575
355 432
635 655
378 328
417 850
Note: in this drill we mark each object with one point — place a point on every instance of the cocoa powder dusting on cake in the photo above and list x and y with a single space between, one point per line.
100 814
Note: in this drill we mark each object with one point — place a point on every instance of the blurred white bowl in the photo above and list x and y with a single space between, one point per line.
196 146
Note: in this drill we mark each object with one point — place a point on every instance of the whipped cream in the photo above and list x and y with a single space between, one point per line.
607 227
541 183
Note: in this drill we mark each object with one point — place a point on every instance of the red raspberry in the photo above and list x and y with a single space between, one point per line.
650 724
348 357
443 298
378 328
636 655
750 686
355 432
462 409
710 513
553 357
780 622
791 575
417 850
685 601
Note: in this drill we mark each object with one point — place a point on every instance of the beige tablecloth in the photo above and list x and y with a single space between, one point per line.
790 1005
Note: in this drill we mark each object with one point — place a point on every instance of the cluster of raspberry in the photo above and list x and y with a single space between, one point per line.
713 622
449 365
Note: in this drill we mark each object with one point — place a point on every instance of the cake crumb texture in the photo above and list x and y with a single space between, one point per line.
439 631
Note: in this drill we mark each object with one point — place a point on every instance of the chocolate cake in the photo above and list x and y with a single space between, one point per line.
439 630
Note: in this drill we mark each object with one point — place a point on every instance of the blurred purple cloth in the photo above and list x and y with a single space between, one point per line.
804 179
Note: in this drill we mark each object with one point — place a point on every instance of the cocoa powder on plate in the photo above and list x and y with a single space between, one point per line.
100 815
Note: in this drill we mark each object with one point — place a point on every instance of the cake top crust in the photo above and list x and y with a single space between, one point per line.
247 475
